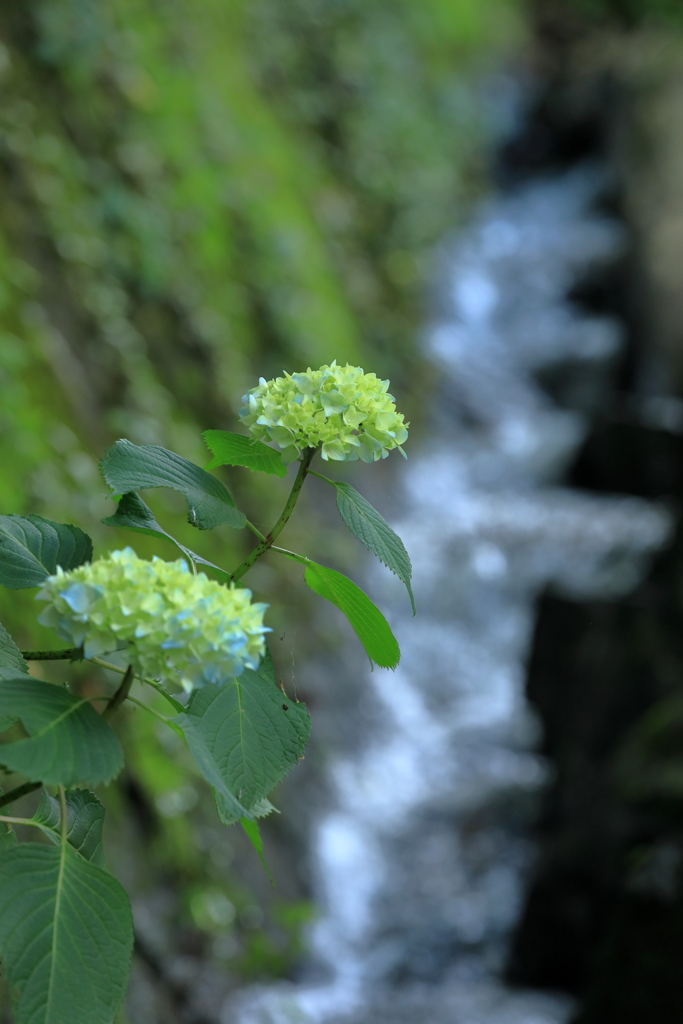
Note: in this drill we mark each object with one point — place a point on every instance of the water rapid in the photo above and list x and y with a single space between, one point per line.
423 852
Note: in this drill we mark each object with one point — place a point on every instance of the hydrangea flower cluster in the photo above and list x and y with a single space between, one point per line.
349 412
175 625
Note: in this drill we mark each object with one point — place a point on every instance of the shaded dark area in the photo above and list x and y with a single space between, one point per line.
604 917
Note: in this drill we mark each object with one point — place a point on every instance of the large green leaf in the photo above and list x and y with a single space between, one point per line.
66 936
230 449
84 816
370 626
252 733
12 663
133 514
210 767
31 548
371 529
131 467
266 669
69 742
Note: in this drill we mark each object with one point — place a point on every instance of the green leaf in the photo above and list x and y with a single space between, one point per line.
254 836
31 548
371 529
8 837
261 809
209 766
251 731
266 669
131 467
369 625
69 742
66 936
230 449
12 663
85 818
133 514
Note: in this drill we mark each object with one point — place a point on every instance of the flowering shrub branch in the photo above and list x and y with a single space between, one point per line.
267 542
198 641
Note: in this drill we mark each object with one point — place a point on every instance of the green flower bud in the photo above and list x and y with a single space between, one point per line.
173 624
349 412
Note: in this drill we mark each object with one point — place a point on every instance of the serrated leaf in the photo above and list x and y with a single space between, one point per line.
66 936
368 623
12 663
31 548
133 514
372 530
69 742
85 818
208 766
131 467
252 732
261 809
230 449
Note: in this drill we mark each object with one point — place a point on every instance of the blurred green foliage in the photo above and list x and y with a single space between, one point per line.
194 194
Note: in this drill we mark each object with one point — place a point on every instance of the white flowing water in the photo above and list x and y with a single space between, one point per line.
422 855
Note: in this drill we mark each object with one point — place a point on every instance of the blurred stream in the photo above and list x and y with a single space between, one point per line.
423 855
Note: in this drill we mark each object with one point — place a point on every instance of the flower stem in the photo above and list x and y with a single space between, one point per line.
64 831
150 682
255 530
66 653
19 791
162 718
120 695
291 554
267 541
321 477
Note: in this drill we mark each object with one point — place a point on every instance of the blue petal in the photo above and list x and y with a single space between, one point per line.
78 597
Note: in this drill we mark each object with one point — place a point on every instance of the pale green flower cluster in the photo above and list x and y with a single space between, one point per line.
173 624
347 411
